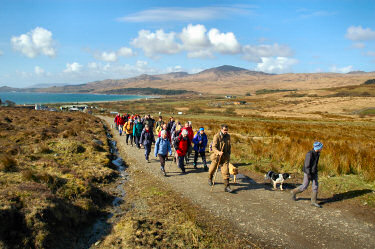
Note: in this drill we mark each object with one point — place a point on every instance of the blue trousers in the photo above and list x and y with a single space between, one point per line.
147 151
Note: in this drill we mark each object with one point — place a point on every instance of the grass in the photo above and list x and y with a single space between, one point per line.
49 172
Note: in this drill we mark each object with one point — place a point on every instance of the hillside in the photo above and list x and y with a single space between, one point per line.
219 80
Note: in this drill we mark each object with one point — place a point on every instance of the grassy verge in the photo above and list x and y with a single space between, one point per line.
51 165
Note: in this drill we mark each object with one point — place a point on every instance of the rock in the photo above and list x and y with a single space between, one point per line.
97 141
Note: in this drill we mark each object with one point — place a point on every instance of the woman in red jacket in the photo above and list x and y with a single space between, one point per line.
182 145
190 135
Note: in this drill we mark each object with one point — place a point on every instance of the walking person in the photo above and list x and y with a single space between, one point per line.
310 173
162 147
137 131
190 131
220 156
200 142
147 138
128 128
159 125
170 124
182 144
116 120
121 122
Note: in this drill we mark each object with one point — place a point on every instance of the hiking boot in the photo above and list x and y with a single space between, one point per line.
313 200
195 165
210 182
163 171
205 168
294 193
227 187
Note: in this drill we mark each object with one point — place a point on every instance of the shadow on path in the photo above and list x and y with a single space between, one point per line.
345 196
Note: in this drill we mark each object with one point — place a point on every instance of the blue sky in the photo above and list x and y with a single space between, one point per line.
81 41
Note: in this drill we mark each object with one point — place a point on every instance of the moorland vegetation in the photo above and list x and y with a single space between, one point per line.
51 166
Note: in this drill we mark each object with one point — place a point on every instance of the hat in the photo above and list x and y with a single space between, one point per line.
201 129
318 145
184 132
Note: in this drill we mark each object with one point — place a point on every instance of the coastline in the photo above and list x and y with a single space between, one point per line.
122 97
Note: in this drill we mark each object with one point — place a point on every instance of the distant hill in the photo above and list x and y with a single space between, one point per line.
230 70
48 85
224 79
5 89
357 72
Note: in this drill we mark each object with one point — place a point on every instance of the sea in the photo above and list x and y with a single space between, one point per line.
22 98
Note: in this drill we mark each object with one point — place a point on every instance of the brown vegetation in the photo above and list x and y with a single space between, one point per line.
49 169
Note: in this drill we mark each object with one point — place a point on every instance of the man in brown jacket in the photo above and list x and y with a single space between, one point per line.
221 149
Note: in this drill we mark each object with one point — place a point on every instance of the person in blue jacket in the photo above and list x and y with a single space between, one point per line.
147 138
200 142
162 147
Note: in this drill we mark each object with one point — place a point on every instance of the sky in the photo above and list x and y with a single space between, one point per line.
79 41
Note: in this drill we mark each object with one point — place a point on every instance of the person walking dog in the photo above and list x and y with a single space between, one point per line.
310 173
162 147
220 156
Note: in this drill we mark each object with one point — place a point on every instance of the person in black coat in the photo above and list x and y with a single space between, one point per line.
310 173
147 138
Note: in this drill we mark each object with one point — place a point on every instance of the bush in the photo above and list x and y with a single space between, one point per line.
7 164
247 94
368 82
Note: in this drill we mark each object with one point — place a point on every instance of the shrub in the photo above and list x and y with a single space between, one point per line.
368 82
7 164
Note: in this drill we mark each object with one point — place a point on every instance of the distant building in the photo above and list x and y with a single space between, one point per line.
73 108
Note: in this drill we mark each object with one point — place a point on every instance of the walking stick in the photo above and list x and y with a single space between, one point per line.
218 163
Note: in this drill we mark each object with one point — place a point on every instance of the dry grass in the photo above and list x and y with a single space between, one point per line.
49 171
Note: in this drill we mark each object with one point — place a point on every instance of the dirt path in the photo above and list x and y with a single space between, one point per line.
269 216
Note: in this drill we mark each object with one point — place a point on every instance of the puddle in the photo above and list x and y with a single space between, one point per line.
102 227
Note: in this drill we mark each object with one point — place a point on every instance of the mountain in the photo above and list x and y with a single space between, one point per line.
224 79
46 85
5 89
357 72
227 70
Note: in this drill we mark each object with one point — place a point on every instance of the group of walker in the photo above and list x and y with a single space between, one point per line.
171 135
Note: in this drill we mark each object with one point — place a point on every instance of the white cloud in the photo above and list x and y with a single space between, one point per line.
194 37
357 33
224 42
186 14
370 53
73 67
1 53
174 69
112 56
359 45
256 52
92 65
37 41
125 52
38 70
107 56
156 43
276 65
335 69
204 53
